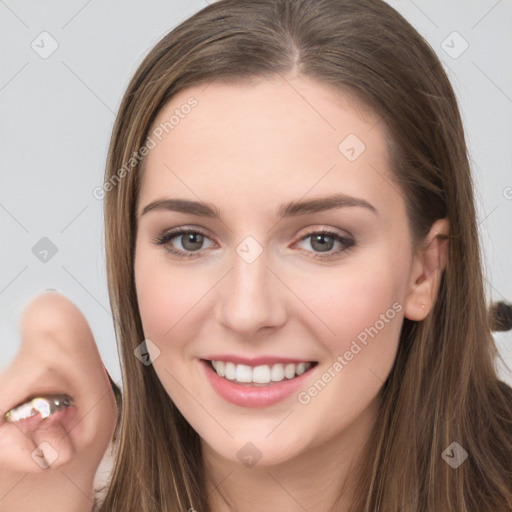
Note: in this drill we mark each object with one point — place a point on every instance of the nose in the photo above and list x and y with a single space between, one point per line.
251 298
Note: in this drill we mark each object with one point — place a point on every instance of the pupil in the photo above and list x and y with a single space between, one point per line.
322 246
192 241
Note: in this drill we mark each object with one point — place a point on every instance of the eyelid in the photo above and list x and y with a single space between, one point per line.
183 230
327 230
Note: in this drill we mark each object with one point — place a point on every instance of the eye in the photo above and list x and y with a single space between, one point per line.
323 241
190 240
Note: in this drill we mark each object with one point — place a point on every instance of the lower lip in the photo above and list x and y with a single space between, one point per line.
246 395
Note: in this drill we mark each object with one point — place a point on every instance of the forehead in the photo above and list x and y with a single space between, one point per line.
273 139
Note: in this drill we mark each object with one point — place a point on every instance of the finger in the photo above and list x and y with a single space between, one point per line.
58 355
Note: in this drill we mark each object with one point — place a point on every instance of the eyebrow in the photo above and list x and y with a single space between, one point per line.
291 209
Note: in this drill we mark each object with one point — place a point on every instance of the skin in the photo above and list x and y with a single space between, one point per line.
57 355
247 149
285 303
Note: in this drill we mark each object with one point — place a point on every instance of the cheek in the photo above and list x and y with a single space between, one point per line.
351 299
166 296
362 307
155 295
168 299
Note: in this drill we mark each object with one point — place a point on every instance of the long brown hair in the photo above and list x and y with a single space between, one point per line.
443 387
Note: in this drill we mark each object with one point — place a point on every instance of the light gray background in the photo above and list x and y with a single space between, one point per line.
57 114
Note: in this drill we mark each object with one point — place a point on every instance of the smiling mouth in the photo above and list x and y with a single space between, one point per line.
261 375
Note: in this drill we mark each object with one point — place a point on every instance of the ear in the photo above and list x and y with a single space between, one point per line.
427 268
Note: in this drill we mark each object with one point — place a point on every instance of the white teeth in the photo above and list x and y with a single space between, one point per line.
277 372
243 373
289 371
262 374
229 371
220 368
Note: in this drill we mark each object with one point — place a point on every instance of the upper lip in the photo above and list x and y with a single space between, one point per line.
256 361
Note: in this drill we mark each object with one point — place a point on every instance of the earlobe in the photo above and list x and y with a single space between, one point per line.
425 278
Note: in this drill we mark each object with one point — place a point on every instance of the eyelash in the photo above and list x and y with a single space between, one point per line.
166 237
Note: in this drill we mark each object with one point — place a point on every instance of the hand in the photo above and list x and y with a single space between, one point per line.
50 464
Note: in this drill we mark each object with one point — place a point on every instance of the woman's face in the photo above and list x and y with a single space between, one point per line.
254 174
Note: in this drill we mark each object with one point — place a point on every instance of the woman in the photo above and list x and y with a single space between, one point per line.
302 324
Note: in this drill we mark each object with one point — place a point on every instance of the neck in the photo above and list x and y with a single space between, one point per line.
321 478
